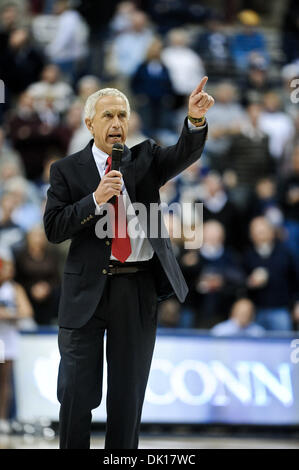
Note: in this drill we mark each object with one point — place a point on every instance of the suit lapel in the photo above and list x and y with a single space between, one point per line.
88 169
127 169
91 177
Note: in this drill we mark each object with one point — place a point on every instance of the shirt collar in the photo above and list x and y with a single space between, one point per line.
99 155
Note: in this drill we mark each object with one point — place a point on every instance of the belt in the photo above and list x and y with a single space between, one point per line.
127 268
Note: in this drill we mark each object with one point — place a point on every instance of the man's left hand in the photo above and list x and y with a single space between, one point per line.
200 101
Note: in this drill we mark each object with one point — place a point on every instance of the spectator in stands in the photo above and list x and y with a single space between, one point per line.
135 135
37 271
153 90
30 136
9 20
213 47
14 306
43 183
256 82
27 211
68 48
71 124
87 85
51 85
11 234
12 171
130 47
20 62
188 188
25 132
8 170
247 157
277 124
78 135
8 154
184 65
47 113
171 314
265 202
214 276
217 206
240 322
249 42
289 201
271 277
98 16
121 20
220 129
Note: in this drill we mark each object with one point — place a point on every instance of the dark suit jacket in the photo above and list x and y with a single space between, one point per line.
70 213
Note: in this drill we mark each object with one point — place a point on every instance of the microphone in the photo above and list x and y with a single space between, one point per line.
117 153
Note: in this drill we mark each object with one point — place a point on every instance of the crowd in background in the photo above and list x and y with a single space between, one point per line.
54 54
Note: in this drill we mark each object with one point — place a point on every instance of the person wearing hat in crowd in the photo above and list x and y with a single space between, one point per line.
249 42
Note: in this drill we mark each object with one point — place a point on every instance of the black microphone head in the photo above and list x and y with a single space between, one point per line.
117 153
118 146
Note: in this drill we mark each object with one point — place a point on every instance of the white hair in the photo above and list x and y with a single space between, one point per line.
90 105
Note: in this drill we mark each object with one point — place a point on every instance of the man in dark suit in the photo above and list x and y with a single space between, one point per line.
113 283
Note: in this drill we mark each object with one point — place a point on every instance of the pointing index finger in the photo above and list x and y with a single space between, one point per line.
201 86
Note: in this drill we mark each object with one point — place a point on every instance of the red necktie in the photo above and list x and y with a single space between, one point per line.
121 245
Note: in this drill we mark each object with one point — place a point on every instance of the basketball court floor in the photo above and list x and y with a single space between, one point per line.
163 442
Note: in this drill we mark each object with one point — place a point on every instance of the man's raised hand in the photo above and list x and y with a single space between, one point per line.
200 101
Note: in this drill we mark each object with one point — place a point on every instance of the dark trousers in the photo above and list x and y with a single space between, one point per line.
128 313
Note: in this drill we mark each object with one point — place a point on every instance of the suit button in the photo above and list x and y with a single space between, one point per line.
104 271
107 243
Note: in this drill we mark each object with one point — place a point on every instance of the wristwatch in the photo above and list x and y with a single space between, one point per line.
194 120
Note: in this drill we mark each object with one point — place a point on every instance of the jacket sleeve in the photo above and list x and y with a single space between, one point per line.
62 218
170 161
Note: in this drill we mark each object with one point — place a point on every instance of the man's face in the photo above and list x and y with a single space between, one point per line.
243 312
261 231
110 123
